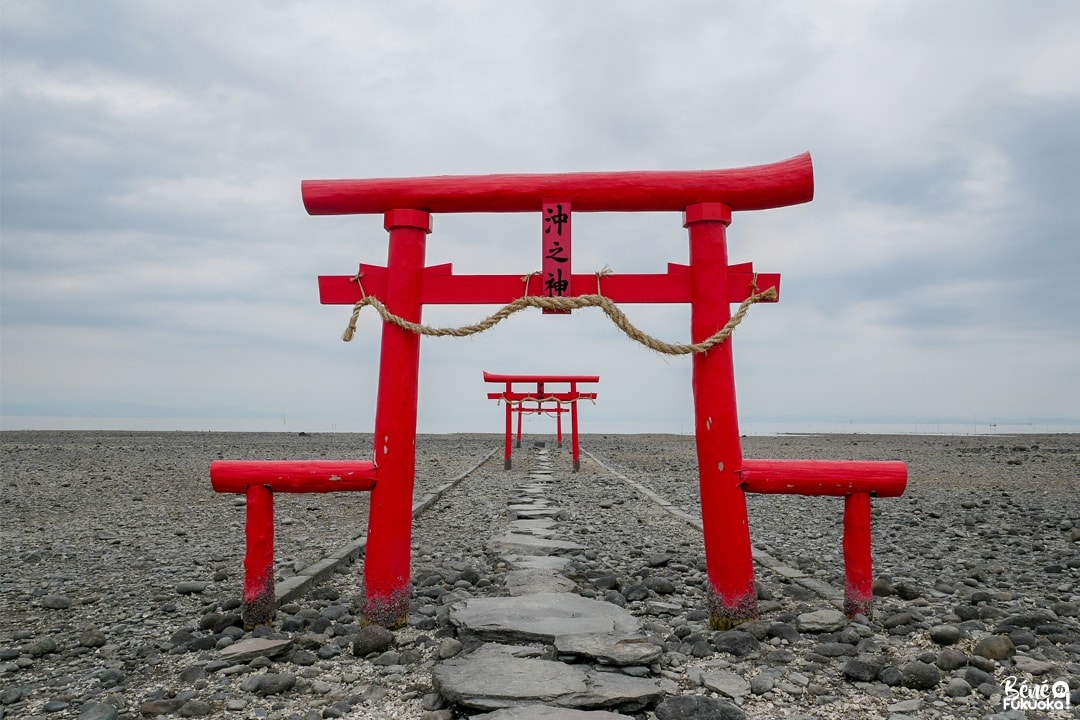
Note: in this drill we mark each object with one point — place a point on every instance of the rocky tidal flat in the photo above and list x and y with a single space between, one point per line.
538 592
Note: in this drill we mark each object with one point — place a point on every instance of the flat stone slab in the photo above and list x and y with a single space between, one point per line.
657 607
249 649
528 503
726 683
539 562
491 679
549 712
822 621
535 531
530 512
524 582
537 526
540 617
532 545
610 649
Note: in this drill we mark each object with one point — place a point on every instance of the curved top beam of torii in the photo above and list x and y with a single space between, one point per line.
759 187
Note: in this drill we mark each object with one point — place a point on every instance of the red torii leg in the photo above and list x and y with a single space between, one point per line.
387 559
509 434
728 552
574 435
858 556
259 604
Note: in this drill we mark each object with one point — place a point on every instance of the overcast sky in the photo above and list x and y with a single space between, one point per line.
158 265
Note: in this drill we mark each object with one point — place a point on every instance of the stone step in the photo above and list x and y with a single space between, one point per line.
539 617
496 676
530 544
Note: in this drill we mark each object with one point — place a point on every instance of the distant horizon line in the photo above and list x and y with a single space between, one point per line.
211 414
748 425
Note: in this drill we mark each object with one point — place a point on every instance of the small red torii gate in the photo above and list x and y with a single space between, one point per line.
706 200
258 480
515 403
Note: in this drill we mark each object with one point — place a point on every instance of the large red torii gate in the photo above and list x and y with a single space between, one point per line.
706 199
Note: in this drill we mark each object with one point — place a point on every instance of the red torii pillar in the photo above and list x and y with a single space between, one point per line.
706 198
515 400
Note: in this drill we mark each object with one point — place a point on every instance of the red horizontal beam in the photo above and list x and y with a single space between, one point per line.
824 477
540 410
293 476
441 287
760 187
497 377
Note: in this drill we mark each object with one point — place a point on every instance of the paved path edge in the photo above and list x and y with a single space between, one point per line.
823 590
298 585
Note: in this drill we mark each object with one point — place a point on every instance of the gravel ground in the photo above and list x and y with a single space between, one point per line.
120 574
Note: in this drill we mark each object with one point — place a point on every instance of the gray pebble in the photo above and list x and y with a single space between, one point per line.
370 639
863 669
97 711
736 642
191 587
976 677
995 647
951 659
40 647
195 708
761 684
448 648
834 649
10 695
957 687
891 676
945 634
56 602
820 621
697 707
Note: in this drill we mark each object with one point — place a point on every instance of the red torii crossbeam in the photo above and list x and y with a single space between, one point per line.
706 199
541 394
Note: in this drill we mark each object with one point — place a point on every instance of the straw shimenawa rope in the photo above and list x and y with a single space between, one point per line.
562 303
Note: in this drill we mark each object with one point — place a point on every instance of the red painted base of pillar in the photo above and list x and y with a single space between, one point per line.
726 615
390 611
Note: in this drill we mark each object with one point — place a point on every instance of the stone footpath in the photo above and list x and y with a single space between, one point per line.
513 639
544 593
